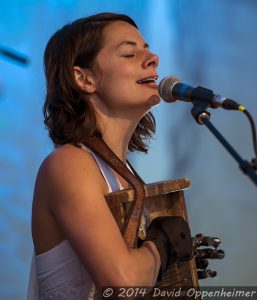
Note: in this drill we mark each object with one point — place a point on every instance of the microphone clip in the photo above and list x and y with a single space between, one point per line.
199 110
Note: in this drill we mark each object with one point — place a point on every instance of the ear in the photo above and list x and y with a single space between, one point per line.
84 79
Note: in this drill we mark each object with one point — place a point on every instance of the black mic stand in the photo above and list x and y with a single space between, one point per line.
201 116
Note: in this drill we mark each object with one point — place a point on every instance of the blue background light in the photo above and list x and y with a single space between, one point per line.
208 43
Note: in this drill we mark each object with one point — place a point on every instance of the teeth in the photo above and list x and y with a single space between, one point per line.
148 80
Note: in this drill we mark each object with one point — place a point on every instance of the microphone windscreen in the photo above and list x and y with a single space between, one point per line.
165 88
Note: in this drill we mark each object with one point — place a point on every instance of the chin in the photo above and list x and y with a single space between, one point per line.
154 100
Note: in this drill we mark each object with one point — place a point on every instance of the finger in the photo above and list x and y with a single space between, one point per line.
211 241
210 253
206 273
201 263
201 240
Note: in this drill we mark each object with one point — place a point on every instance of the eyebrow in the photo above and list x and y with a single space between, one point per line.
131 43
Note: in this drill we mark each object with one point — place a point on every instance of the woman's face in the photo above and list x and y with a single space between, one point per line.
128 71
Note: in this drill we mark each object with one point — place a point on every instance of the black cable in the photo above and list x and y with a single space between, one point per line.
246 112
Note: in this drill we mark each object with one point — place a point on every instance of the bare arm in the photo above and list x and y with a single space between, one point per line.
75 190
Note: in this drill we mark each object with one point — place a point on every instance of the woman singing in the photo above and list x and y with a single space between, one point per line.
101 81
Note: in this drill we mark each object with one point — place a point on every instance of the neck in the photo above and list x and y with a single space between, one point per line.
117 134
117 124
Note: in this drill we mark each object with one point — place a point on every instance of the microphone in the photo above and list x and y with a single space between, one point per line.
172 89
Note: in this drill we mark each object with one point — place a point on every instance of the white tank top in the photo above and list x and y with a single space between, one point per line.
58 273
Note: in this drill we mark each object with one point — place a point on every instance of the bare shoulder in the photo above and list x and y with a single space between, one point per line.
70 165
68 157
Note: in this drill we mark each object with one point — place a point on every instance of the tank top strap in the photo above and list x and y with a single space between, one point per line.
112 182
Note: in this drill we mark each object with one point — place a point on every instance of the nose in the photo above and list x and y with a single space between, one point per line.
151 60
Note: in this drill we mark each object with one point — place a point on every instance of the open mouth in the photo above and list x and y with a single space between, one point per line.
148 80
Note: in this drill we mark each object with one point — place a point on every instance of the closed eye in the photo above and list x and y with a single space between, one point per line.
129 55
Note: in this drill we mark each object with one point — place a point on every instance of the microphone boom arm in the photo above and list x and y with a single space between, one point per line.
200 114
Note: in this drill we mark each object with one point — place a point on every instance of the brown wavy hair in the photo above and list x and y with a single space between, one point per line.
67 116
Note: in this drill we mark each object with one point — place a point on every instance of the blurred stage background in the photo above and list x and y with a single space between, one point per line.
209 43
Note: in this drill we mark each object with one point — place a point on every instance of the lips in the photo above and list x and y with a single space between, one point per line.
148 80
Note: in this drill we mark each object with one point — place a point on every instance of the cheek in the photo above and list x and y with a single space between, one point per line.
120 70
119 82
